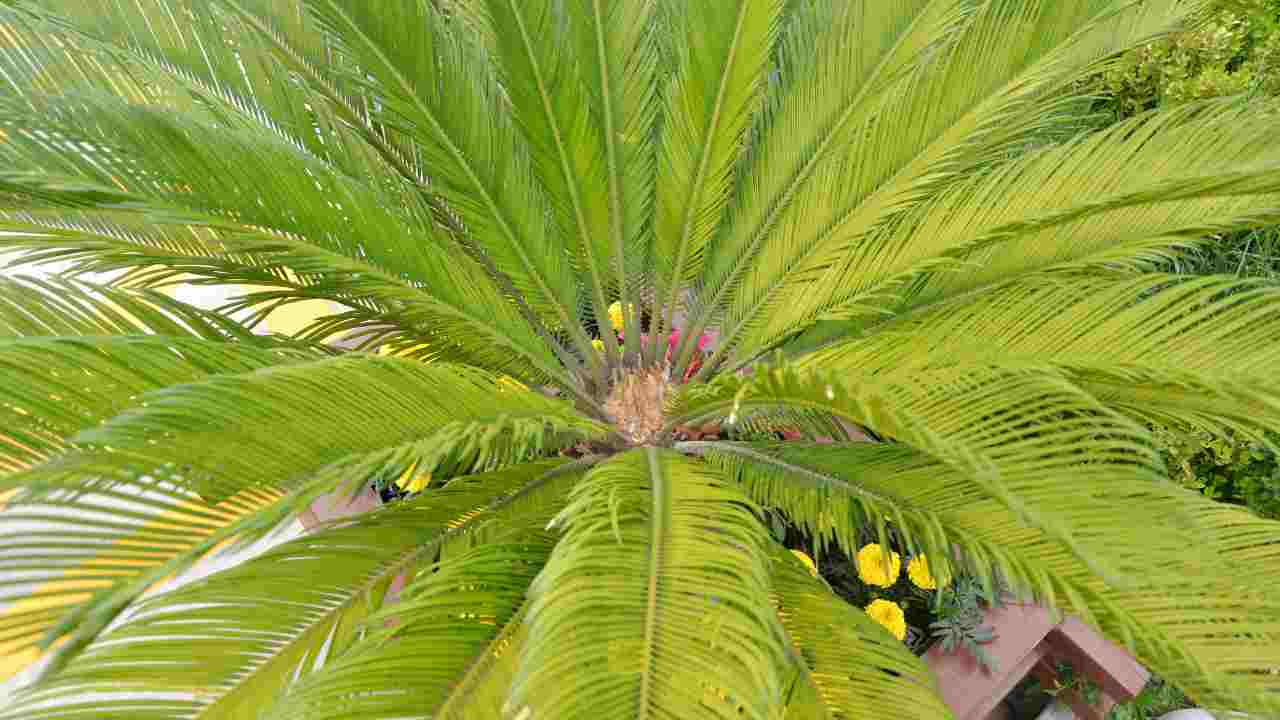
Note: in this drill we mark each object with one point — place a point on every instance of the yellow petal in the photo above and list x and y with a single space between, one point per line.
615 314
918 571
878 567
808 562
412 481
889 614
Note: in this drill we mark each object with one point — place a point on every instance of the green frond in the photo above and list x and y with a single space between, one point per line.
36 307
835 60
317 233
830 500
174 165
250 631
617 44
1177 174
549 101
654 602
73 560
938 123
439 89
198 58
1186 560
722 71
851 665
445 635
1004 430
1241 670
218 67
385 403
856 493
56 386
1157 347
1213 632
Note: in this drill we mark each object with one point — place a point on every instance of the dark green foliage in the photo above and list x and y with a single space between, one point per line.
960 616
1234 50
1067 684
1253 253
1155 700
953 615
1223 466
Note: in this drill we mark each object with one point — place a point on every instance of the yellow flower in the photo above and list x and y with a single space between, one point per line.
918 571
808 562
409 482
888 614
615 314
875 567
598 344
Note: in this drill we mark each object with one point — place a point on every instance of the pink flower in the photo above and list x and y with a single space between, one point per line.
674 338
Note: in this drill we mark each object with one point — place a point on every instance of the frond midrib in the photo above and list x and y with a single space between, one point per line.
613 173
692 205
473 177
458 526
882 194
782 201
571 185
395 158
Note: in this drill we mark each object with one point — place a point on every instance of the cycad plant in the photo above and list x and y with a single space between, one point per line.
827 215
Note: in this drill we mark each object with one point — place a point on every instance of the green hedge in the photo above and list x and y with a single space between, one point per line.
1228 468
1235 50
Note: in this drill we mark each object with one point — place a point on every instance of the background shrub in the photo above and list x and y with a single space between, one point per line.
1225 467
1235 50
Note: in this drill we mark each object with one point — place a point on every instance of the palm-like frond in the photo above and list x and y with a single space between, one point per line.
1166 576
831 655
1004 431
317 234
1153 346
130 479
448 625
549 99
940 122
473 154
247 632
906 186
827 82
75 560
34 307
617 43
203 184
652 537
76 354
721 74
1156 179
386 403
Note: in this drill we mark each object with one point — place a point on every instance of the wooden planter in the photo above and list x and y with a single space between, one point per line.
1028 641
